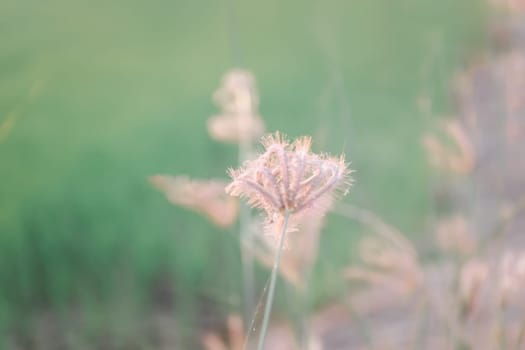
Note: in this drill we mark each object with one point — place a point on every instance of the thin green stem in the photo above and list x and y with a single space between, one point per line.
273 281
251 328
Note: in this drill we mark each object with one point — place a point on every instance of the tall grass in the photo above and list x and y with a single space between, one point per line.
123 93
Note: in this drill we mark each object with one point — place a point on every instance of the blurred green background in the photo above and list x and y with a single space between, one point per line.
95 96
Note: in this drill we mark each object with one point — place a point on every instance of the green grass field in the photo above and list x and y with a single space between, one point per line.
103 94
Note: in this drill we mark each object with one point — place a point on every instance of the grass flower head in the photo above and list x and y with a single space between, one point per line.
288 178
203 196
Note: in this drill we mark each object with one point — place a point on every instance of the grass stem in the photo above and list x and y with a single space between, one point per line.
273 281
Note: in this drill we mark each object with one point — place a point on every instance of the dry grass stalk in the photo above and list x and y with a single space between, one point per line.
238 99
459 158
388 265
287 182
494 307
287 177
239 123
206 197
485 311
454 235
230 130
485 293
387 258
507 73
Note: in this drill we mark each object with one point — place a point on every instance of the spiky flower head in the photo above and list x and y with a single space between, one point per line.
288 177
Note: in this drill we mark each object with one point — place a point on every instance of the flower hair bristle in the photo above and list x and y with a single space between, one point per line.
288 177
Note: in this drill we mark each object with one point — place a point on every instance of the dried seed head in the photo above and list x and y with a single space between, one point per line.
239 120
389 265
287 177
205 197
454 235
459 158
237 93
228 129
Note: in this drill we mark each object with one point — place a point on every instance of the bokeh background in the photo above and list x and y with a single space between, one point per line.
97 96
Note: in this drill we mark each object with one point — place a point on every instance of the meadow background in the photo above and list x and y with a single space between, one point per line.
97 96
